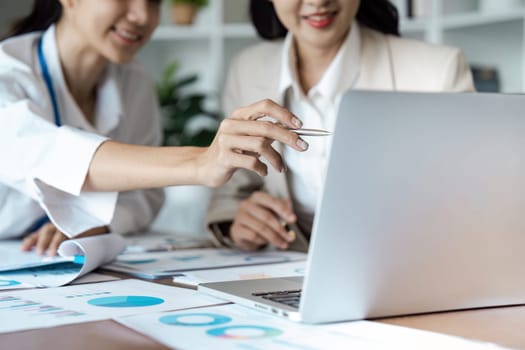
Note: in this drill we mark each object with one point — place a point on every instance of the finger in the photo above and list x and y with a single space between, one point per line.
248 162
255 146
268 108
248 246
245 238
45 234
58 238
100 230
265 224
281 207
263 129
29 242
264 214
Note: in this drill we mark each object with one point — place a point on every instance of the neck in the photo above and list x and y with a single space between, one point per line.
312 63
81 66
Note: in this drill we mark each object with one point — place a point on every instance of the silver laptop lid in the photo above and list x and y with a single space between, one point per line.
423 207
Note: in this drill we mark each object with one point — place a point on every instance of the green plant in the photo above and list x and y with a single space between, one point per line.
198 3
185 120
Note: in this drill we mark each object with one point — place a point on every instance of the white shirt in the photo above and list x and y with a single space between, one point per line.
44 166
318 110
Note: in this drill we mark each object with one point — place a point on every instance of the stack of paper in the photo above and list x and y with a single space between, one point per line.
194 278
143 242
164 264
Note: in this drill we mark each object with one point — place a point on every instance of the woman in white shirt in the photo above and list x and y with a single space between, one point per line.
317 49
80 117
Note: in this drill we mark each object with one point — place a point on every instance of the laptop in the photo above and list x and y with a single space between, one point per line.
422 210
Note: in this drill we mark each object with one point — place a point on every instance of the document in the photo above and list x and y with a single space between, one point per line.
142 242
49 307
194 278
236 327
76 258
10 284
164 264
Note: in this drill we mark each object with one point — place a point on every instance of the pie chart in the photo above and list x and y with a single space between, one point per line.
126 301
195 319
243 332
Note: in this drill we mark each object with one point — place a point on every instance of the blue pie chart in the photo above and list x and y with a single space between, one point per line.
126 301
244 332
8 283
195 319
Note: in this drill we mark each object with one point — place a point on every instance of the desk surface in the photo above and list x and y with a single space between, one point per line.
503 326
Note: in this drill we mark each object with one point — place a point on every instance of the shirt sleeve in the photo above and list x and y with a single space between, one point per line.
50 163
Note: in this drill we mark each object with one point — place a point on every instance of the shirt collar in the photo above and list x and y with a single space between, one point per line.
108 109
341 74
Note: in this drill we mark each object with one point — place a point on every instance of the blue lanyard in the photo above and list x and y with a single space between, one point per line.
49 82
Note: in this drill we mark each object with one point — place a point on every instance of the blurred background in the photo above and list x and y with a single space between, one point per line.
190 60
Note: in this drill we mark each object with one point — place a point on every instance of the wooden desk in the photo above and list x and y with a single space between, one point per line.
502 326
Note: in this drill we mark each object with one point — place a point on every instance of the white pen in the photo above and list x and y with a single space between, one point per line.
311 132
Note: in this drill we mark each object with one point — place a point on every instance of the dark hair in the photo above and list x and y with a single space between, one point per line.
43 14
379 15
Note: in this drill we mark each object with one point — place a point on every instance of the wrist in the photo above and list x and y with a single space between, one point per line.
184 166
199 167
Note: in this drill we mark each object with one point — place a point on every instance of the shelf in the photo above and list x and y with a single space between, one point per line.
239 30
409 25
473 19
173 32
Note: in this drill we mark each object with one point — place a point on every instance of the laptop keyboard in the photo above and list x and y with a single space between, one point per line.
287 297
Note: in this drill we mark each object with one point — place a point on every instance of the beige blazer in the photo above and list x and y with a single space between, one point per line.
387 63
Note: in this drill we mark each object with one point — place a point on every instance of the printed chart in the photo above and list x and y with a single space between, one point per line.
155 265
49 307
287 269
235 327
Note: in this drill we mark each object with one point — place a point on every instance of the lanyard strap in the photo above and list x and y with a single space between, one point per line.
49 82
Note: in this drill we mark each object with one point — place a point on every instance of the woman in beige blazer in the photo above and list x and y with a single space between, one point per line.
317 50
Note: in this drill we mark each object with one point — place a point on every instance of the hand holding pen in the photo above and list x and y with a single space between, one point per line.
262 219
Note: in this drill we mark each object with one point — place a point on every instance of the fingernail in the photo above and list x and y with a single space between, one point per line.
291 236
297 122
302 144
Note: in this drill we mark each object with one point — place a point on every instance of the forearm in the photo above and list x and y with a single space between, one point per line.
123 167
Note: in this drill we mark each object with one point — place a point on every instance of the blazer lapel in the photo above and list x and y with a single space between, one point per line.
377 67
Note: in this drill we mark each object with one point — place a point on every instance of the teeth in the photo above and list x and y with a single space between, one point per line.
128 35
319 17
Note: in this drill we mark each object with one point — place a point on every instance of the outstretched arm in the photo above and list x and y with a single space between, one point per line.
240 142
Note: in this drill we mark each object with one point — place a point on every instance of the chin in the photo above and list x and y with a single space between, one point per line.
121 59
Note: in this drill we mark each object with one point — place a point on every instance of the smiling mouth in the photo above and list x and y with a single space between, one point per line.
129 37
320 20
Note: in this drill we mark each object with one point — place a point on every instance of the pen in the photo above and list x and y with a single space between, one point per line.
311 132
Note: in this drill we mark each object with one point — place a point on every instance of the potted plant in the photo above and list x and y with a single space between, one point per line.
185 123
183 11
185 120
